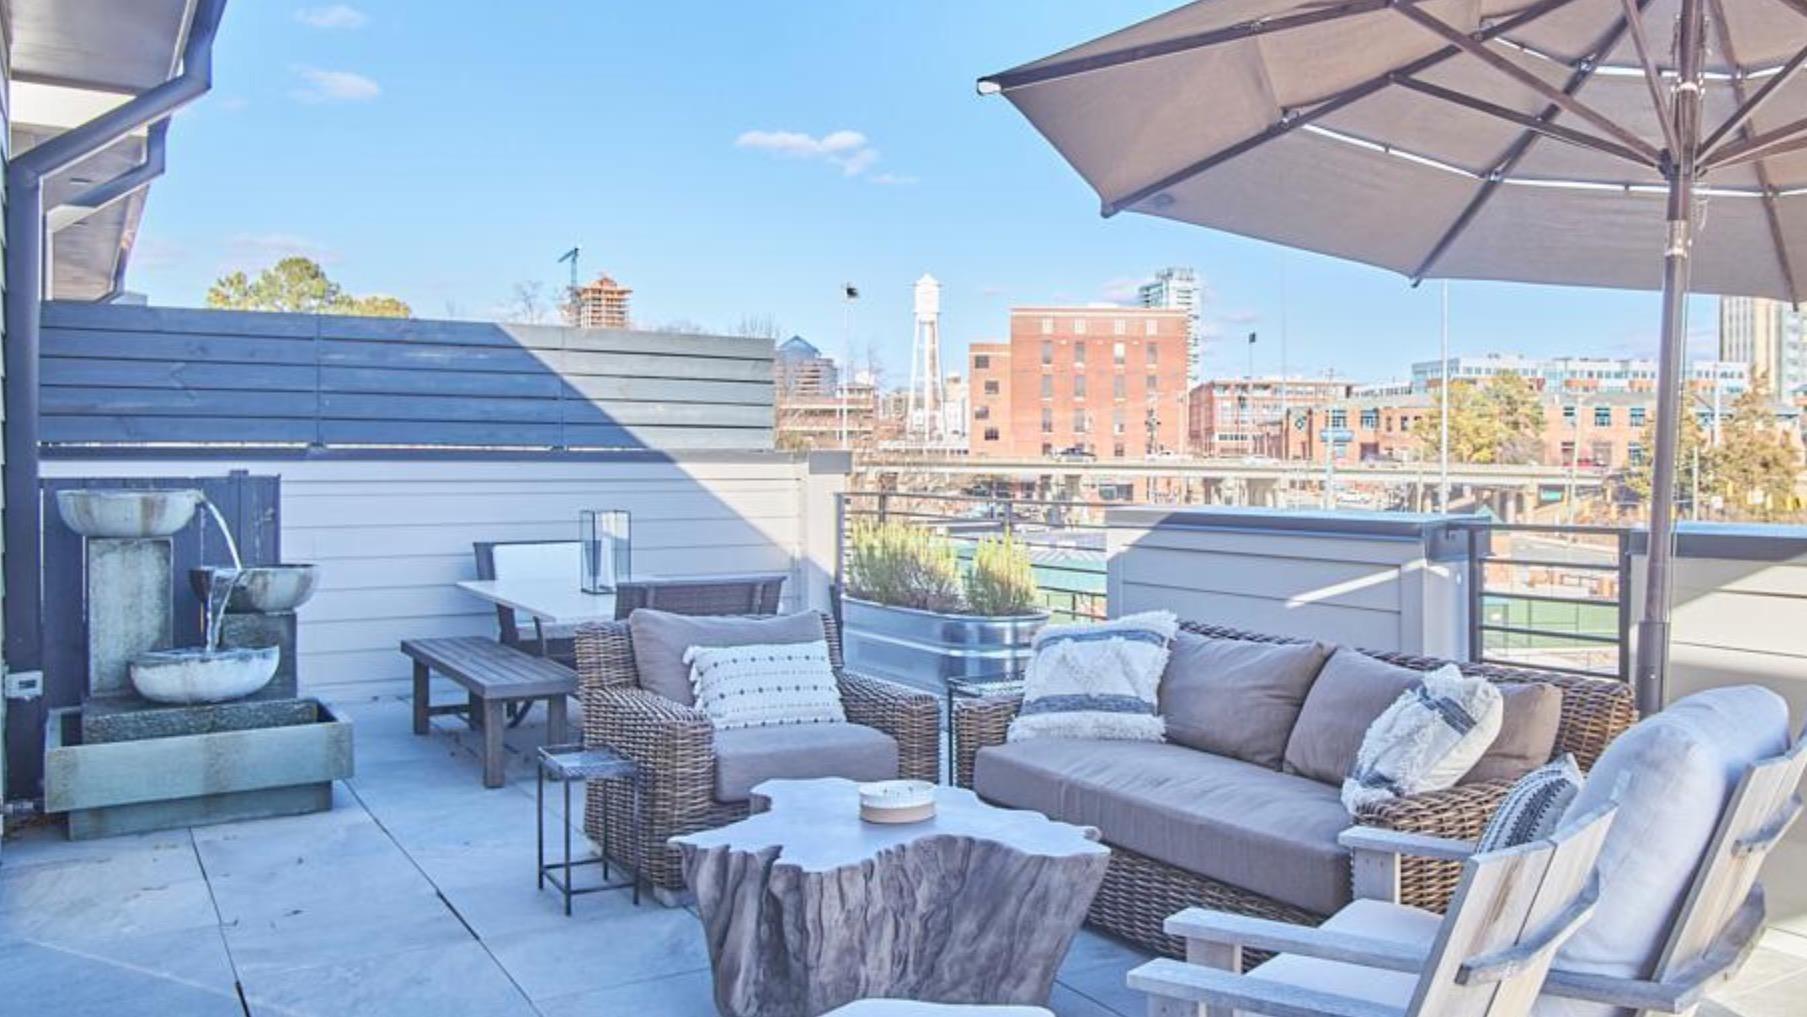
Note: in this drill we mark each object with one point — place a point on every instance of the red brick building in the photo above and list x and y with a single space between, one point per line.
1108 380
1234 417
1602 430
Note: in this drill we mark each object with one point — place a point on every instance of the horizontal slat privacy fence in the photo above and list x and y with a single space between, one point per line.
121 375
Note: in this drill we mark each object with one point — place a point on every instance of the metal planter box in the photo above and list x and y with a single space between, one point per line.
925 648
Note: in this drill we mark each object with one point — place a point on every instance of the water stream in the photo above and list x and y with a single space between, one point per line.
220 584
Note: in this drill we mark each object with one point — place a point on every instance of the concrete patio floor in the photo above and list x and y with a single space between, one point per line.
415 895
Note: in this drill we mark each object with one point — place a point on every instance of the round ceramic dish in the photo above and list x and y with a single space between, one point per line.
897 801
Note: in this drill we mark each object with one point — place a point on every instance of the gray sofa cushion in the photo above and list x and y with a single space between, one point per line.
1527 737
1225 819
1237 697
1351 692
746 756
660 639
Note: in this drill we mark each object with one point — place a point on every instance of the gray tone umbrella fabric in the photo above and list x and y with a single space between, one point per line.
1643 144
1387 174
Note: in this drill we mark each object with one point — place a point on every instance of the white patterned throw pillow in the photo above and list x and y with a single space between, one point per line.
1097 680
1534 807
1432 734
764 684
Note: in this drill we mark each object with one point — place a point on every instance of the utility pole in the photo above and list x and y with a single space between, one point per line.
1443 413
849 293
571 288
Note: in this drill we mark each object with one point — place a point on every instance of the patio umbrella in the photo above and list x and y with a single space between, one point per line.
1644 144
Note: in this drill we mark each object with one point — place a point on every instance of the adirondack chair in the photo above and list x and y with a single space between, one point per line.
1719 921
1511 911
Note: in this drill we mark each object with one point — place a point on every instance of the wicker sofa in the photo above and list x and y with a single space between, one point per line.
1140 891
674 744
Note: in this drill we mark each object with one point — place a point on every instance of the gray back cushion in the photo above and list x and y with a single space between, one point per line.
1352 691
660 639
1527 735
1237 697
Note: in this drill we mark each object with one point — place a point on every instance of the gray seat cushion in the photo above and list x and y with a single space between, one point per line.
1231 821
746 756
1351 692
660 639
1237 697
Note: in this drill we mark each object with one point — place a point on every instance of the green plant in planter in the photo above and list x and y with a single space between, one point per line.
903 566
1002 580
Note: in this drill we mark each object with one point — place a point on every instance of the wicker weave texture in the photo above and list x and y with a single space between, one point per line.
674 745
1139 892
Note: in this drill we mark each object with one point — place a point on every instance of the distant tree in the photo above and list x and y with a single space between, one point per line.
1755 466
758 326
679 326
528 304
1692 455
299 285
1499 422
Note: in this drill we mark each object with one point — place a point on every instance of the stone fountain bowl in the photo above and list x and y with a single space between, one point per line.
196 675
261 588
126 514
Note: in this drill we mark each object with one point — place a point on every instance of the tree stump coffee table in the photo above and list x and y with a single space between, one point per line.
807 907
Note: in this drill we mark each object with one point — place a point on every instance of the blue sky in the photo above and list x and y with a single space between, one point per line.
444 150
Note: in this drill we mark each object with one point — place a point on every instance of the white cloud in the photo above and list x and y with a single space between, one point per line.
332 16
849 151
320 85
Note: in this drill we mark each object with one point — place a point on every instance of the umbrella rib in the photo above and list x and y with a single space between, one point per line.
1740 117
1293 120
1758 146
1770 212
1517 152
1540 125
1634 20
1477 48
1005 80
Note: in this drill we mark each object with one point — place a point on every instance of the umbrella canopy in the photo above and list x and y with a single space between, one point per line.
1642 144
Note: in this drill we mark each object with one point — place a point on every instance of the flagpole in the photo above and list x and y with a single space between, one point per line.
1443 414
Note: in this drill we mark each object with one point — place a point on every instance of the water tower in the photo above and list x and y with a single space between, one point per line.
926 393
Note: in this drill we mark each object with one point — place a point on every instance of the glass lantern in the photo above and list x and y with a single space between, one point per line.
607 539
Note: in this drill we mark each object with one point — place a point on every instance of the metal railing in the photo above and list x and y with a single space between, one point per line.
1551 597
1065 539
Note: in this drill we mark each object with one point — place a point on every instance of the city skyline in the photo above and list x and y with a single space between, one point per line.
775 188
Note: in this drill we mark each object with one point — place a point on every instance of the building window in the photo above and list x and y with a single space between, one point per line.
1154 385
1154 353
1568 414
1047 353
1567 451
1635 453
1047 386
991 434
1339 418
1117 449
1602 454
1119 327
1150 327
1079 326
1603 416
991 387
1118 353
1047 326
1079 386
1079 354
1047 448
1371 419
1119 388
1637 414
1117 423
981 361
982 413
1079 422
1047 420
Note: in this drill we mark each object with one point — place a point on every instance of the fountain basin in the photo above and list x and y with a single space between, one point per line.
196 675
262 588
126 514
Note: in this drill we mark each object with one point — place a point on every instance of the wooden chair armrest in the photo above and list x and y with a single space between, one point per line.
1229 929
1459 813
1251 993
1683 990
910 716
1399 842
979 723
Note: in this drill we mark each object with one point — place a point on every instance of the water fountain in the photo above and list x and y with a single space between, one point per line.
176 736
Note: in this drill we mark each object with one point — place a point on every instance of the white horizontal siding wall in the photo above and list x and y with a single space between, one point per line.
393 537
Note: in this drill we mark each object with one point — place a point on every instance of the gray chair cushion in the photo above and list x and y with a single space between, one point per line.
1225 819
1527 735
1351 692
746 756
660 639
1237 697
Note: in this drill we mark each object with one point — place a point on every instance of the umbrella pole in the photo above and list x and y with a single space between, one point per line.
1652 656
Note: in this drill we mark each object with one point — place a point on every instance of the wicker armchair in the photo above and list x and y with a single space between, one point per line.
1139 893
674 745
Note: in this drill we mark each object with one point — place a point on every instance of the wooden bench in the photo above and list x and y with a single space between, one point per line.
495 677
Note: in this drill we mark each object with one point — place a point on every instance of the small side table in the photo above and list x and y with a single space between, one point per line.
978 687
567 764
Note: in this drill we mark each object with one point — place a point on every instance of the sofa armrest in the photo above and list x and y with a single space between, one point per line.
976 724
672 744
1459 813
910 716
